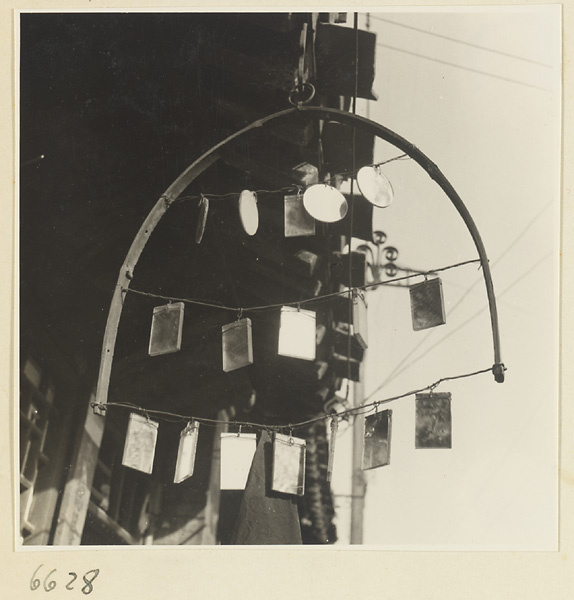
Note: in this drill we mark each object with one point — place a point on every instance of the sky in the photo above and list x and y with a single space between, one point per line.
478 91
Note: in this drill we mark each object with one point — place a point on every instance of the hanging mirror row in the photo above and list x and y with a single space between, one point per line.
320 201
297 327
433 430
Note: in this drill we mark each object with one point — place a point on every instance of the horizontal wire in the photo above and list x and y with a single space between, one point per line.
239 309
379 164
355 411
434 385
291 188
186 300
385 162
420 274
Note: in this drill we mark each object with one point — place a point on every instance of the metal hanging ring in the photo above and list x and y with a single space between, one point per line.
302 94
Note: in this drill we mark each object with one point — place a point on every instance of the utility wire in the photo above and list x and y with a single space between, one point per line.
458 41
472 286
470 69
506 251
471 318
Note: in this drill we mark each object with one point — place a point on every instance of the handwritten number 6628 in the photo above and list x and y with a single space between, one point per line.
49 584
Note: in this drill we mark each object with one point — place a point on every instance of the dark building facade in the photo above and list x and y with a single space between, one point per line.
113 107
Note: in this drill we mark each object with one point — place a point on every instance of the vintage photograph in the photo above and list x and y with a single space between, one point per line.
245 239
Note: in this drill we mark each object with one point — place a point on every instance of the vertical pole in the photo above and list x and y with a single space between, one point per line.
358 479
358 486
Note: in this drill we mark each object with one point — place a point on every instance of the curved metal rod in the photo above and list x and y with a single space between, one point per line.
211 156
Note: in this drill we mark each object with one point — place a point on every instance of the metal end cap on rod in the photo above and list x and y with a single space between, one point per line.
498 370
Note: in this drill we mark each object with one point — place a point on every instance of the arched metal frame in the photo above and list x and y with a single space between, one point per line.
211 156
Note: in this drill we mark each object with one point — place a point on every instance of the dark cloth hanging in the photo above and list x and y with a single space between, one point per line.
265 517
